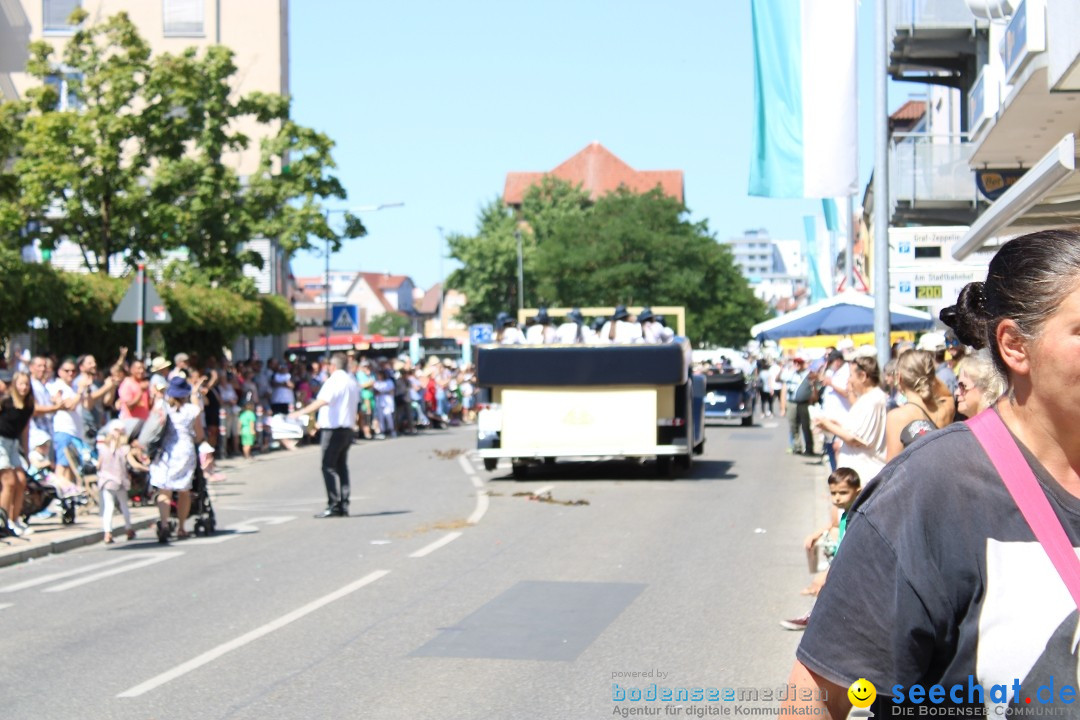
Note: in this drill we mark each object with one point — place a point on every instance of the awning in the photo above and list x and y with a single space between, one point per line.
1048 195
844 314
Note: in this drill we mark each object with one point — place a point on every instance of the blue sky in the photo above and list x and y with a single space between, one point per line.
432 103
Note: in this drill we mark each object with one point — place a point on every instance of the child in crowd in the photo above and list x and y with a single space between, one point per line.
114 454
844 487
206 462
247 428
384 403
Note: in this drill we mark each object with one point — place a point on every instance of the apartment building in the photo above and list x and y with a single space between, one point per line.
1025 113
257 31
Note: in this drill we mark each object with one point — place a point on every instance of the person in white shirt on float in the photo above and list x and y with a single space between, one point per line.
506 330
541 332
336 404
574 331
620 328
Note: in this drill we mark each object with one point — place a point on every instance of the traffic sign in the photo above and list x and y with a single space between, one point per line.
481 333
345 318
128 309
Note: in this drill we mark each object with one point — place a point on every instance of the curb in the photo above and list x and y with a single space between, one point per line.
69 543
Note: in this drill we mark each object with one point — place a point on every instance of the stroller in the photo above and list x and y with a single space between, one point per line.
202 510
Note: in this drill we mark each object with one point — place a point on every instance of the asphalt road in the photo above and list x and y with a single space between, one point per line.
430 601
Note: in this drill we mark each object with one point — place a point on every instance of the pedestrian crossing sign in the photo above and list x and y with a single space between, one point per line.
345 318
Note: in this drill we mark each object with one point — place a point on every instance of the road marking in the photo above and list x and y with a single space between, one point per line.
6 605
428 549
540 491
255 634
466 465
140 561
482 503
61 575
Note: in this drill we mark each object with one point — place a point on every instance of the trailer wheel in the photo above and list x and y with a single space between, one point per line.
519 470
490 463
684 462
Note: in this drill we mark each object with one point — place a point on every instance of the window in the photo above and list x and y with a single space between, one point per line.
55 14
183 18
64 83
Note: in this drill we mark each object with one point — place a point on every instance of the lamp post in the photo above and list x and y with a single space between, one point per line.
328 321
521 273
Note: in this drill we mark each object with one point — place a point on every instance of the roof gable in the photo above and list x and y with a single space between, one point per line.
599 172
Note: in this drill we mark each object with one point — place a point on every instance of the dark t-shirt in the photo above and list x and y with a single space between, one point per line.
13 420
942 578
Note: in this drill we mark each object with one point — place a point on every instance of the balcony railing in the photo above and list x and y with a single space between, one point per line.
930 168
930 13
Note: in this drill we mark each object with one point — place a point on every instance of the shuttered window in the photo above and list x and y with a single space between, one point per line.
55 14
183 17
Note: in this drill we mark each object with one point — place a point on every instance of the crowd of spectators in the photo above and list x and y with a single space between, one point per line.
54 411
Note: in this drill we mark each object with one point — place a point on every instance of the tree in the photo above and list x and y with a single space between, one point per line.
489 273
131 158
624 248
391 324
637 249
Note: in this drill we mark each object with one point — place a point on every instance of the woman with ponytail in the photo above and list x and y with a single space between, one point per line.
928 406
943 582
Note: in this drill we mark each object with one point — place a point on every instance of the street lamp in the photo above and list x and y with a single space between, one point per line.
328 322
521 274
442 283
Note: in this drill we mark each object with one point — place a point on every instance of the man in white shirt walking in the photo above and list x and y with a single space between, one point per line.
336 404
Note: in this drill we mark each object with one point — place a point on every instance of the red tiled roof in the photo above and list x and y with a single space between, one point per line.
911 111
384 281
599 172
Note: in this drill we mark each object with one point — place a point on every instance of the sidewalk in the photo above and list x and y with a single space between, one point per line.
52 536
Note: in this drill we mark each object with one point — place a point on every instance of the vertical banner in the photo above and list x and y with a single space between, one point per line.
811 253
805 115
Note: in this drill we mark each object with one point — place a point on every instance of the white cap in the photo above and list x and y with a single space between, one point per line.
932 342
38 437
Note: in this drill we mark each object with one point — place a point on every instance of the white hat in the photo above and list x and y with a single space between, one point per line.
865 351
38 437
932 342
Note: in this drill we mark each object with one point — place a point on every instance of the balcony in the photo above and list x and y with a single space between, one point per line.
930 180
936 41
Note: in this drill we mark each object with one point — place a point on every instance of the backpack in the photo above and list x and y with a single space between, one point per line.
151 432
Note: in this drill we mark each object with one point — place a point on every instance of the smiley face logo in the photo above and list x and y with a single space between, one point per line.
862 693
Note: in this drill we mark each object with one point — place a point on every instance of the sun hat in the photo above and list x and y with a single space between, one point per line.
178 388
645 314
575 316
159 363
38 437
620 313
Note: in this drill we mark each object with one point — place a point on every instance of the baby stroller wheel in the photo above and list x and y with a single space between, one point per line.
68 518
211 523
200 527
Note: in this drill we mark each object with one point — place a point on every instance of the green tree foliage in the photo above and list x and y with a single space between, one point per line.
489 273
624 248
135 158
391 324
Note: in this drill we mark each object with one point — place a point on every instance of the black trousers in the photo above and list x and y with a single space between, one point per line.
335 467
802 422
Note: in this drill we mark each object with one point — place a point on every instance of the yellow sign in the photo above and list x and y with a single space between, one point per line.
824 341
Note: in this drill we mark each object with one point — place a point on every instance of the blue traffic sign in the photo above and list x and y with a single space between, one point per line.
481 334
345 318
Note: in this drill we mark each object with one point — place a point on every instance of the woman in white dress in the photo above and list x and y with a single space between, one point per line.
173 470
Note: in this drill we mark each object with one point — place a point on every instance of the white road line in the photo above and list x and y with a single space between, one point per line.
6 605
61 575
541 491
428 549
466 465
482 503
140 561
255 634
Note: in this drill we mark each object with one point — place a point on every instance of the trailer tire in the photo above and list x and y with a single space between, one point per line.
663 466
490 463
519 471
684 462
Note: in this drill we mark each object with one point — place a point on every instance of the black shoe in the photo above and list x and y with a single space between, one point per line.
328 513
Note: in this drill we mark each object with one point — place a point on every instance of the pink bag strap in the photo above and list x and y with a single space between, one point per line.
1004 453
